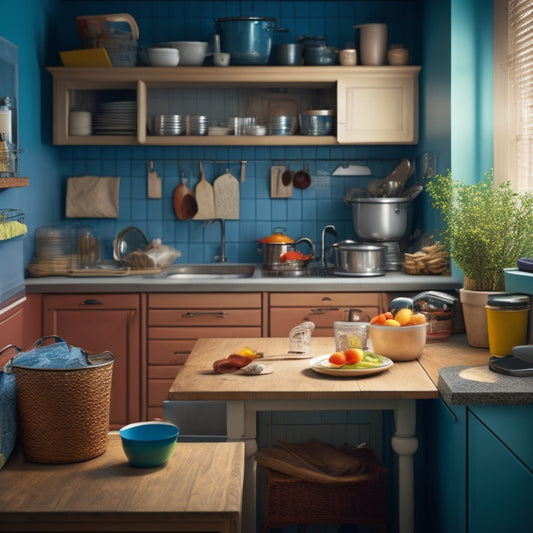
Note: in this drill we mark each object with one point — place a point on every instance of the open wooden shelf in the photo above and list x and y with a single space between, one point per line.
6 183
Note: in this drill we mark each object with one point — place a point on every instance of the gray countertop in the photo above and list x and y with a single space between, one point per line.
390 282
478 385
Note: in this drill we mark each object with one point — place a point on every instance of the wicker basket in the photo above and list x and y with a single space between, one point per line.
292 501
63 415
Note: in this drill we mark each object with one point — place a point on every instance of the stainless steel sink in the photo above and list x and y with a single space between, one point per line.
209 271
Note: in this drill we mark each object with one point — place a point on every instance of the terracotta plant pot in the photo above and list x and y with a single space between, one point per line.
475 317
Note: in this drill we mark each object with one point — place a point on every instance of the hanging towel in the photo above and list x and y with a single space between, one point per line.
92 197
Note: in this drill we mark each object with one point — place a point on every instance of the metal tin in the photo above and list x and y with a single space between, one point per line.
352 259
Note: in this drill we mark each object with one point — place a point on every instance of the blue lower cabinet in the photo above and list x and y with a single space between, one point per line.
446 471
500 483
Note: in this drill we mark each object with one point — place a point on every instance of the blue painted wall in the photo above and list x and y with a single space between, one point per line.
26 24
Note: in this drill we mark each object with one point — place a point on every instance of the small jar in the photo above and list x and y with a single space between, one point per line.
88 249
438 308
7 117
507 320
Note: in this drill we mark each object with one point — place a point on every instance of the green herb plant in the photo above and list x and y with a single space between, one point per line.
487 227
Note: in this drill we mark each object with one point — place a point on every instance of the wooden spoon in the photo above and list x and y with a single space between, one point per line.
286 177
185 205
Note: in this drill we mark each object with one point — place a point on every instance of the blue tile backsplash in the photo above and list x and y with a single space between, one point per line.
307 211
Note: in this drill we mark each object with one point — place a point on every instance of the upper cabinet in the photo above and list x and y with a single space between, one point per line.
374 105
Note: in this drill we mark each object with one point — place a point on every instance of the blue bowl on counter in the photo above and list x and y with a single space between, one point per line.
149 444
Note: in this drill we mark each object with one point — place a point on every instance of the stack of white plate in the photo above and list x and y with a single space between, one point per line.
116 118
198 125
282 125
166 124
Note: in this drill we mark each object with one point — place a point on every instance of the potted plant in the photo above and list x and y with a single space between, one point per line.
487 228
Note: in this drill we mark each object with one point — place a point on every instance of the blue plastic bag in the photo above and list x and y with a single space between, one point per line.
8 409
58 356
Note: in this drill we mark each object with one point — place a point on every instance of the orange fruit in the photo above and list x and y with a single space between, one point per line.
337 359
353 356
379 319
392 322
403 316
417 318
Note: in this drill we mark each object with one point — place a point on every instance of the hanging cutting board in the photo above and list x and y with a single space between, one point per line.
277 189
226 196
205 198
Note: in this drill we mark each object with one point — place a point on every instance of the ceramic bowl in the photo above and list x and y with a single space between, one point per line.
163 57
404 343
149 444
192 53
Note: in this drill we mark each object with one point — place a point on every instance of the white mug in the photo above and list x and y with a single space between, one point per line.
221 59
373 43
348 57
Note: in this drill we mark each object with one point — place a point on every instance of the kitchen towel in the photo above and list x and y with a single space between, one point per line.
92 197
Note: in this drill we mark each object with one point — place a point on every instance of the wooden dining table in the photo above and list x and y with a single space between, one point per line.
198 489
295 386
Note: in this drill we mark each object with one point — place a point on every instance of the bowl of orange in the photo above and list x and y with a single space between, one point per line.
400 337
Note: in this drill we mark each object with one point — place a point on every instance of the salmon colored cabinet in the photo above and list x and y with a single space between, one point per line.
12 325
287 310
99 322
176 321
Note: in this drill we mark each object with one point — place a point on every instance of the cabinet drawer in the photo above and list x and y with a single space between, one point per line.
90 301
204 317
329 299
187 301
199 332
283 319
169 351
163 371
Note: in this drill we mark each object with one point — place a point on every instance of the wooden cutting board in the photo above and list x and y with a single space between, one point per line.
205 197
226 196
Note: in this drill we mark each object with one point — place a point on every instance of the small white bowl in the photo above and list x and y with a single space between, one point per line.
163 57
399 343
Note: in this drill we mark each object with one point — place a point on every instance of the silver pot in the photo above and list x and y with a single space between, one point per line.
353 259
273 251
382 219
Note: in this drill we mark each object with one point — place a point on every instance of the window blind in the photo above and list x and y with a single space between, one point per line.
520 70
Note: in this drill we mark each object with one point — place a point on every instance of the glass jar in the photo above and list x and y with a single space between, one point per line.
438 308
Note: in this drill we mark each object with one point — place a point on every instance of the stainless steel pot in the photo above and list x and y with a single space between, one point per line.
273 251
382 219
353 259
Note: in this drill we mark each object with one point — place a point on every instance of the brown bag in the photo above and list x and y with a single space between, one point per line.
92 197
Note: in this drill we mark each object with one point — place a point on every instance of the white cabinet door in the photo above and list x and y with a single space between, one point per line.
378 105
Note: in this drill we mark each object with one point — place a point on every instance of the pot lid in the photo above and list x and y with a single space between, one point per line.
507 301
227 19
276 238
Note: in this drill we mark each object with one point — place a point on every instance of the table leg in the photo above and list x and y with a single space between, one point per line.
242 426
405 444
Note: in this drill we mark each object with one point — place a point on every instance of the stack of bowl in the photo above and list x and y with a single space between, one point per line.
282 125
166 124
197 125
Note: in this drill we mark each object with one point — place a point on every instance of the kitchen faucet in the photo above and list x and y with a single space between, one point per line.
331 228
222 257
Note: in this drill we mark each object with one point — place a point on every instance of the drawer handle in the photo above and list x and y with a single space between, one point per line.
216 314
91 301
322 310
181 352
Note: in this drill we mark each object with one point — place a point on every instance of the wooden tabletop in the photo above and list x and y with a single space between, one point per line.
291 379
199 489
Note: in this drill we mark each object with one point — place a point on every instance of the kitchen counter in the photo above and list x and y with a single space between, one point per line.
260 281
199 489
